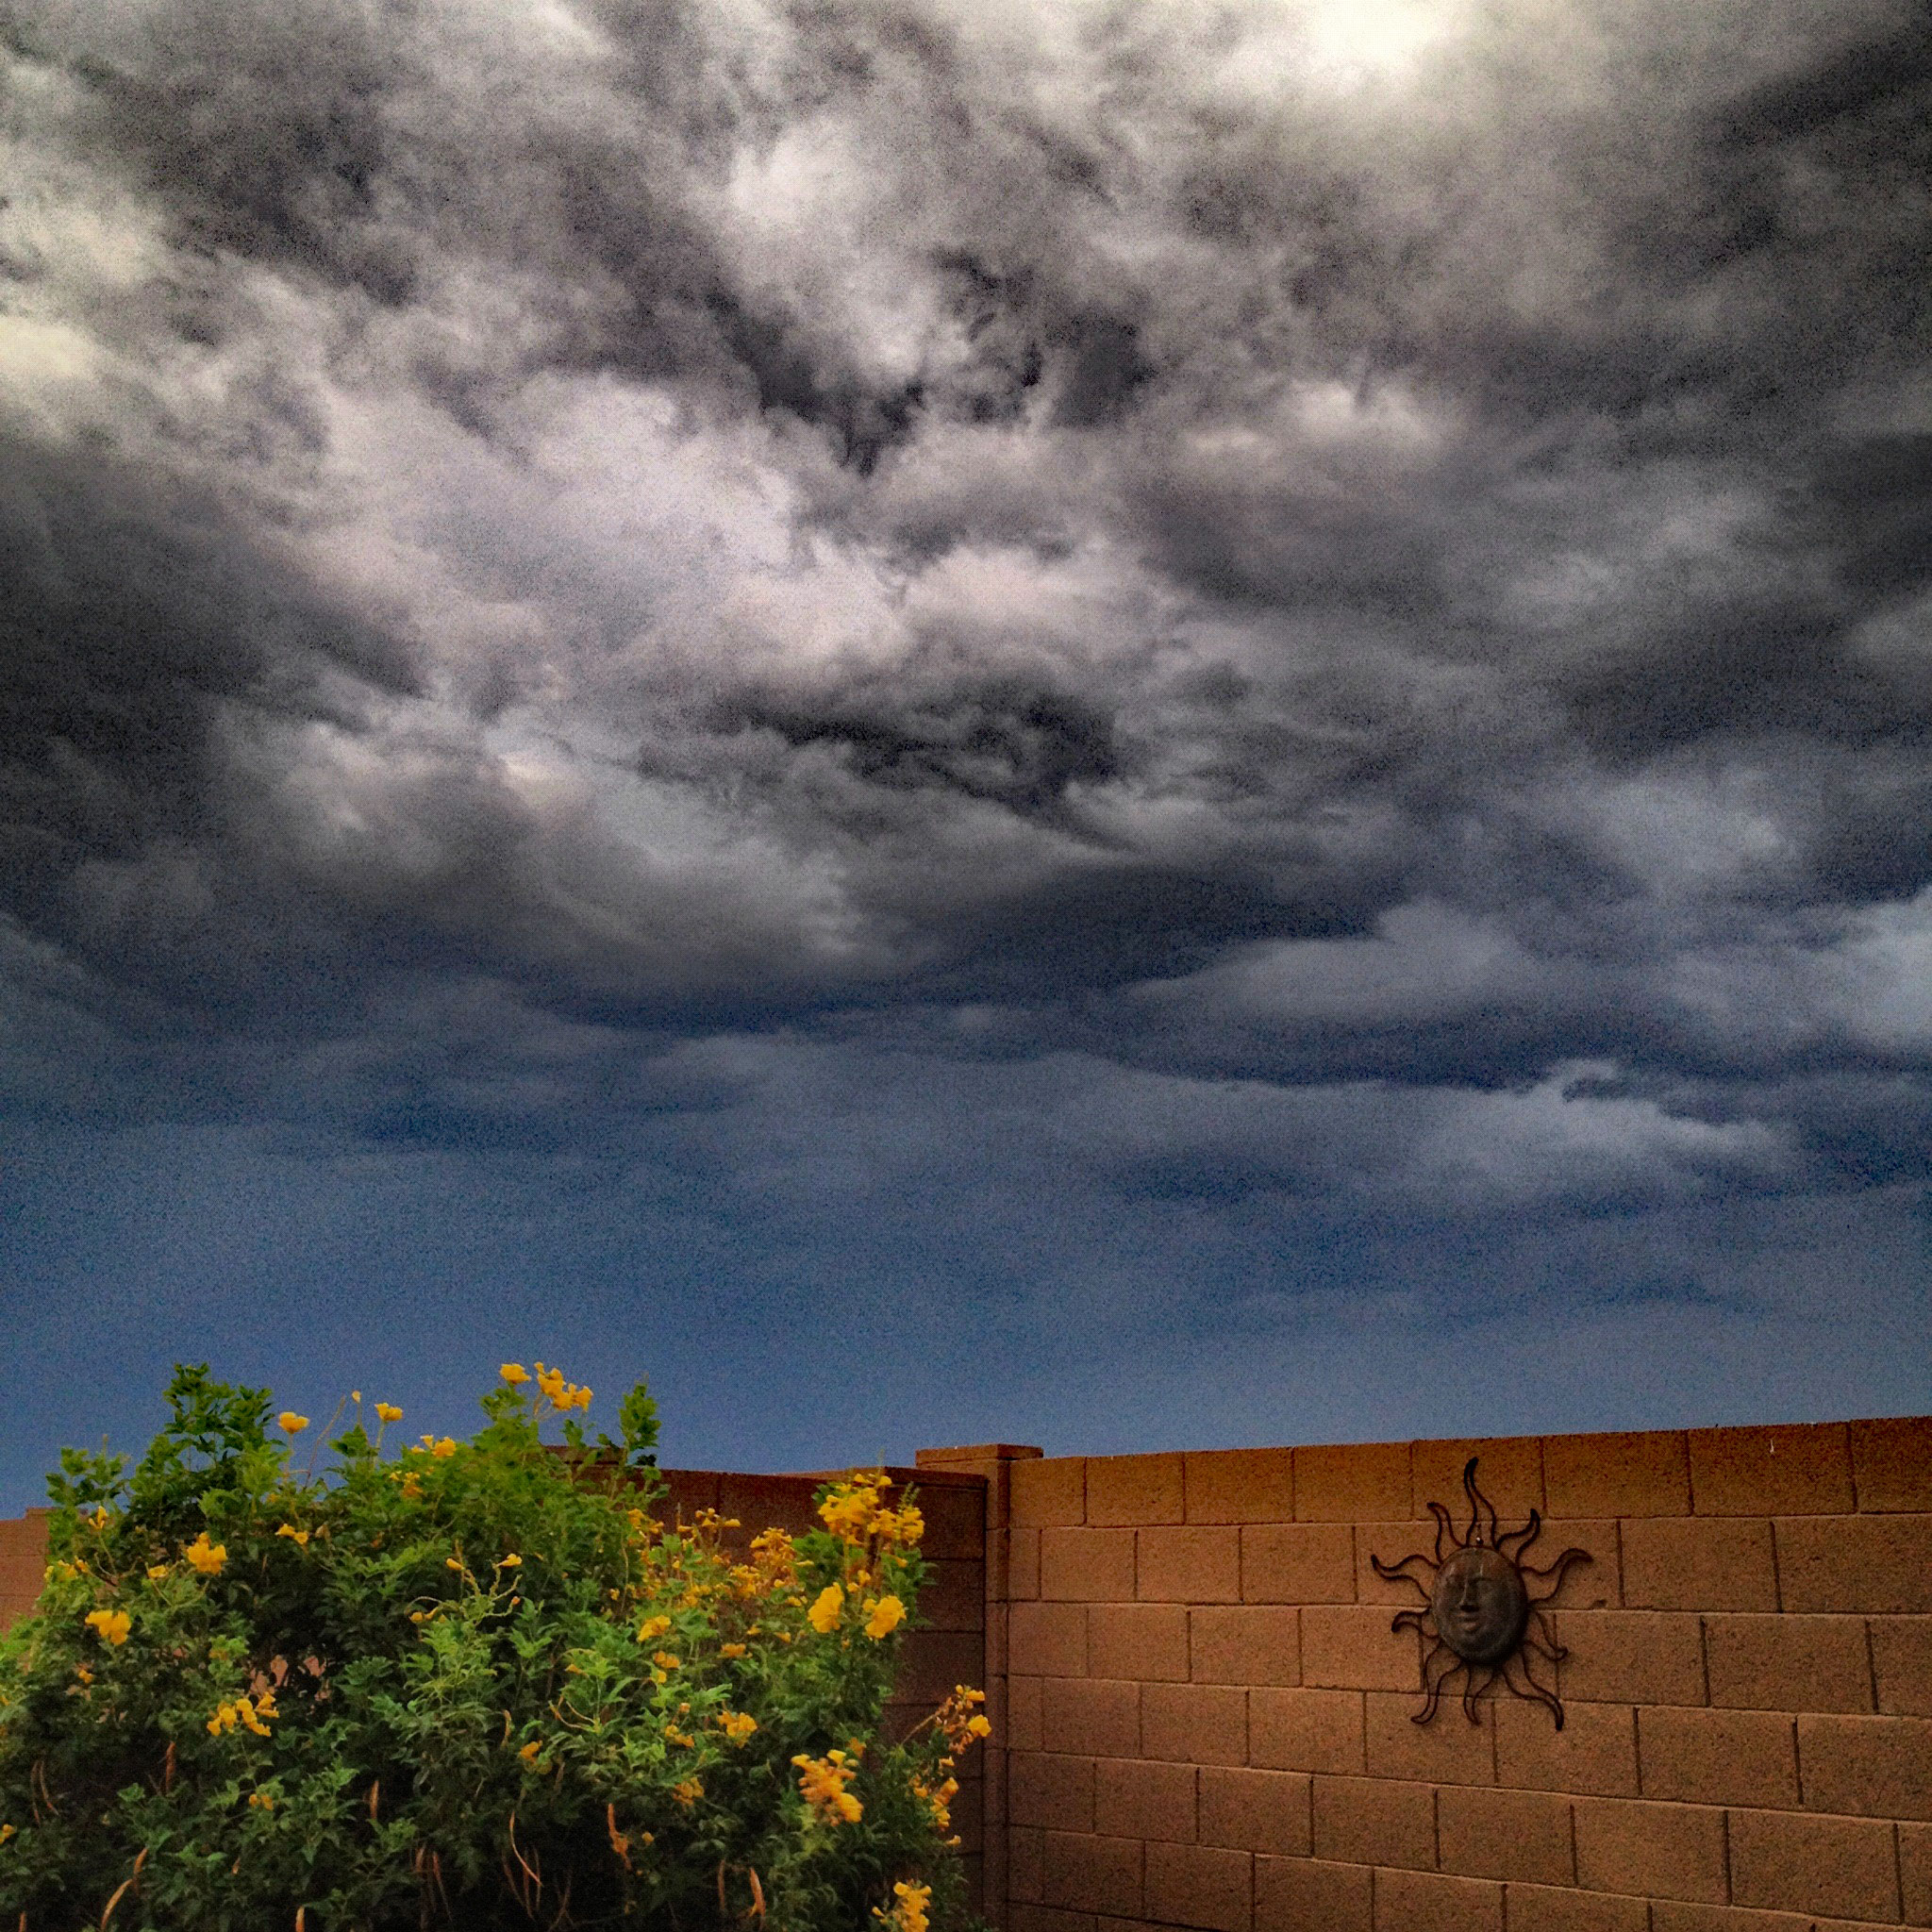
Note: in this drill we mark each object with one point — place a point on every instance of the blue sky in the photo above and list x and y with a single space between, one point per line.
1127 726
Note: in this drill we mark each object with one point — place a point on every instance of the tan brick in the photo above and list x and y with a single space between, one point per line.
1148 1641
1048 1489
1256 1810
1432 1902
1023 1564
1307 1730
1447 1750
1240 1486
953 1596
1373 1821
1642 1473
1665 1851
1544 1909
1874 1767
1087 1565
1594 1752
1902 1660
1520 1834
1844 1866
1082 1872
1091 1717
1688 1563
1047 1640
1351 1647
1915 1873
1674 1917
1199 1884
1509 1472
1025 1731
1788 1663
1717 1757
1133 1798
1878 1564
954 1517
1050 1789
1312 1895
1193 1564
1197 1724
1023 1847
1134 1489
1787 1470
933 1661
1352 1483
1246 1644
1297 1563
1630 1656
1891 1463
1025 1918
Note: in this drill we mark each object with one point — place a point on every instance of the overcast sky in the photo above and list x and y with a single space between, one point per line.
1118 724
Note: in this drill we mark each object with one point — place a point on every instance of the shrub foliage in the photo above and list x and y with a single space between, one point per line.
477 1684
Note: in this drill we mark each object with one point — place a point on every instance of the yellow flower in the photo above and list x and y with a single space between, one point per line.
653 1627
444 1448
388 1412
910 1914
823 1780
883 1616
823 1614
206 1557
664 1660
262 1800
688 1792
528 1753
86 1676
737 1724
298 1537
509 1562
731 1650
292 1422
514 1373
978 1726
156 1571
847 1511
112 1626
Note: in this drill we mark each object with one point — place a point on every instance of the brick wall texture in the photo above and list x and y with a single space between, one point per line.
1206 1717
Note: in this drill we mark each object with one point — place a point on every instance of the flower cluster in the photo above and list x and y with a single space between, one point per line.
908 1913
561 1394
249 1712
822 1783
465 1650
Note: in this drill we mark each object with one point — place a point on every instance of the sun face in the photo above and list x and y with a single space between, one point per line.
1481 1617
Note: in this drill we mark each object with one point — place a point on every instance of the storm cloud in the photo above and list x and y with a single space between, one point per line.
1304 628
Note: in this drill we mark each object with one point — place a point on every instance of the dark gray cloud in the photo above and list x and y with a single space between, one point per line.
1306 611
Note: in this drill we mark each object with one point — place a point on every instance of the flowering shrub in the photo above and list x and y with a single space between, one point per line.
477 1684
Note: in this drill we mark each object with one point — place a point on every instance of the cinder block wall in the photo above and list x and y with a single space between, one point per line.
1207 1719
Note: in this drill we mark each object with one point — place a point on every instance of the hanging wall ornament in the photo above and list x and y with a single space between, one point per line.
1481 1618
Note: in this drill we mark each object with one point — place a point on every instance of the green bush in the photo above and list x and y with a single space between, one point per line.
478 1684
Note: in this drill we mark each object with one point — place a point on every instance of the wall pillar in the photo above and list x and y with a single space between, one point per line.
993 1461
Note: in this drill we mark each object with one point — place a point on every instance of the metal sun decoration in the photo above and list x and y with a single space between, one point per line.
1483 1616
